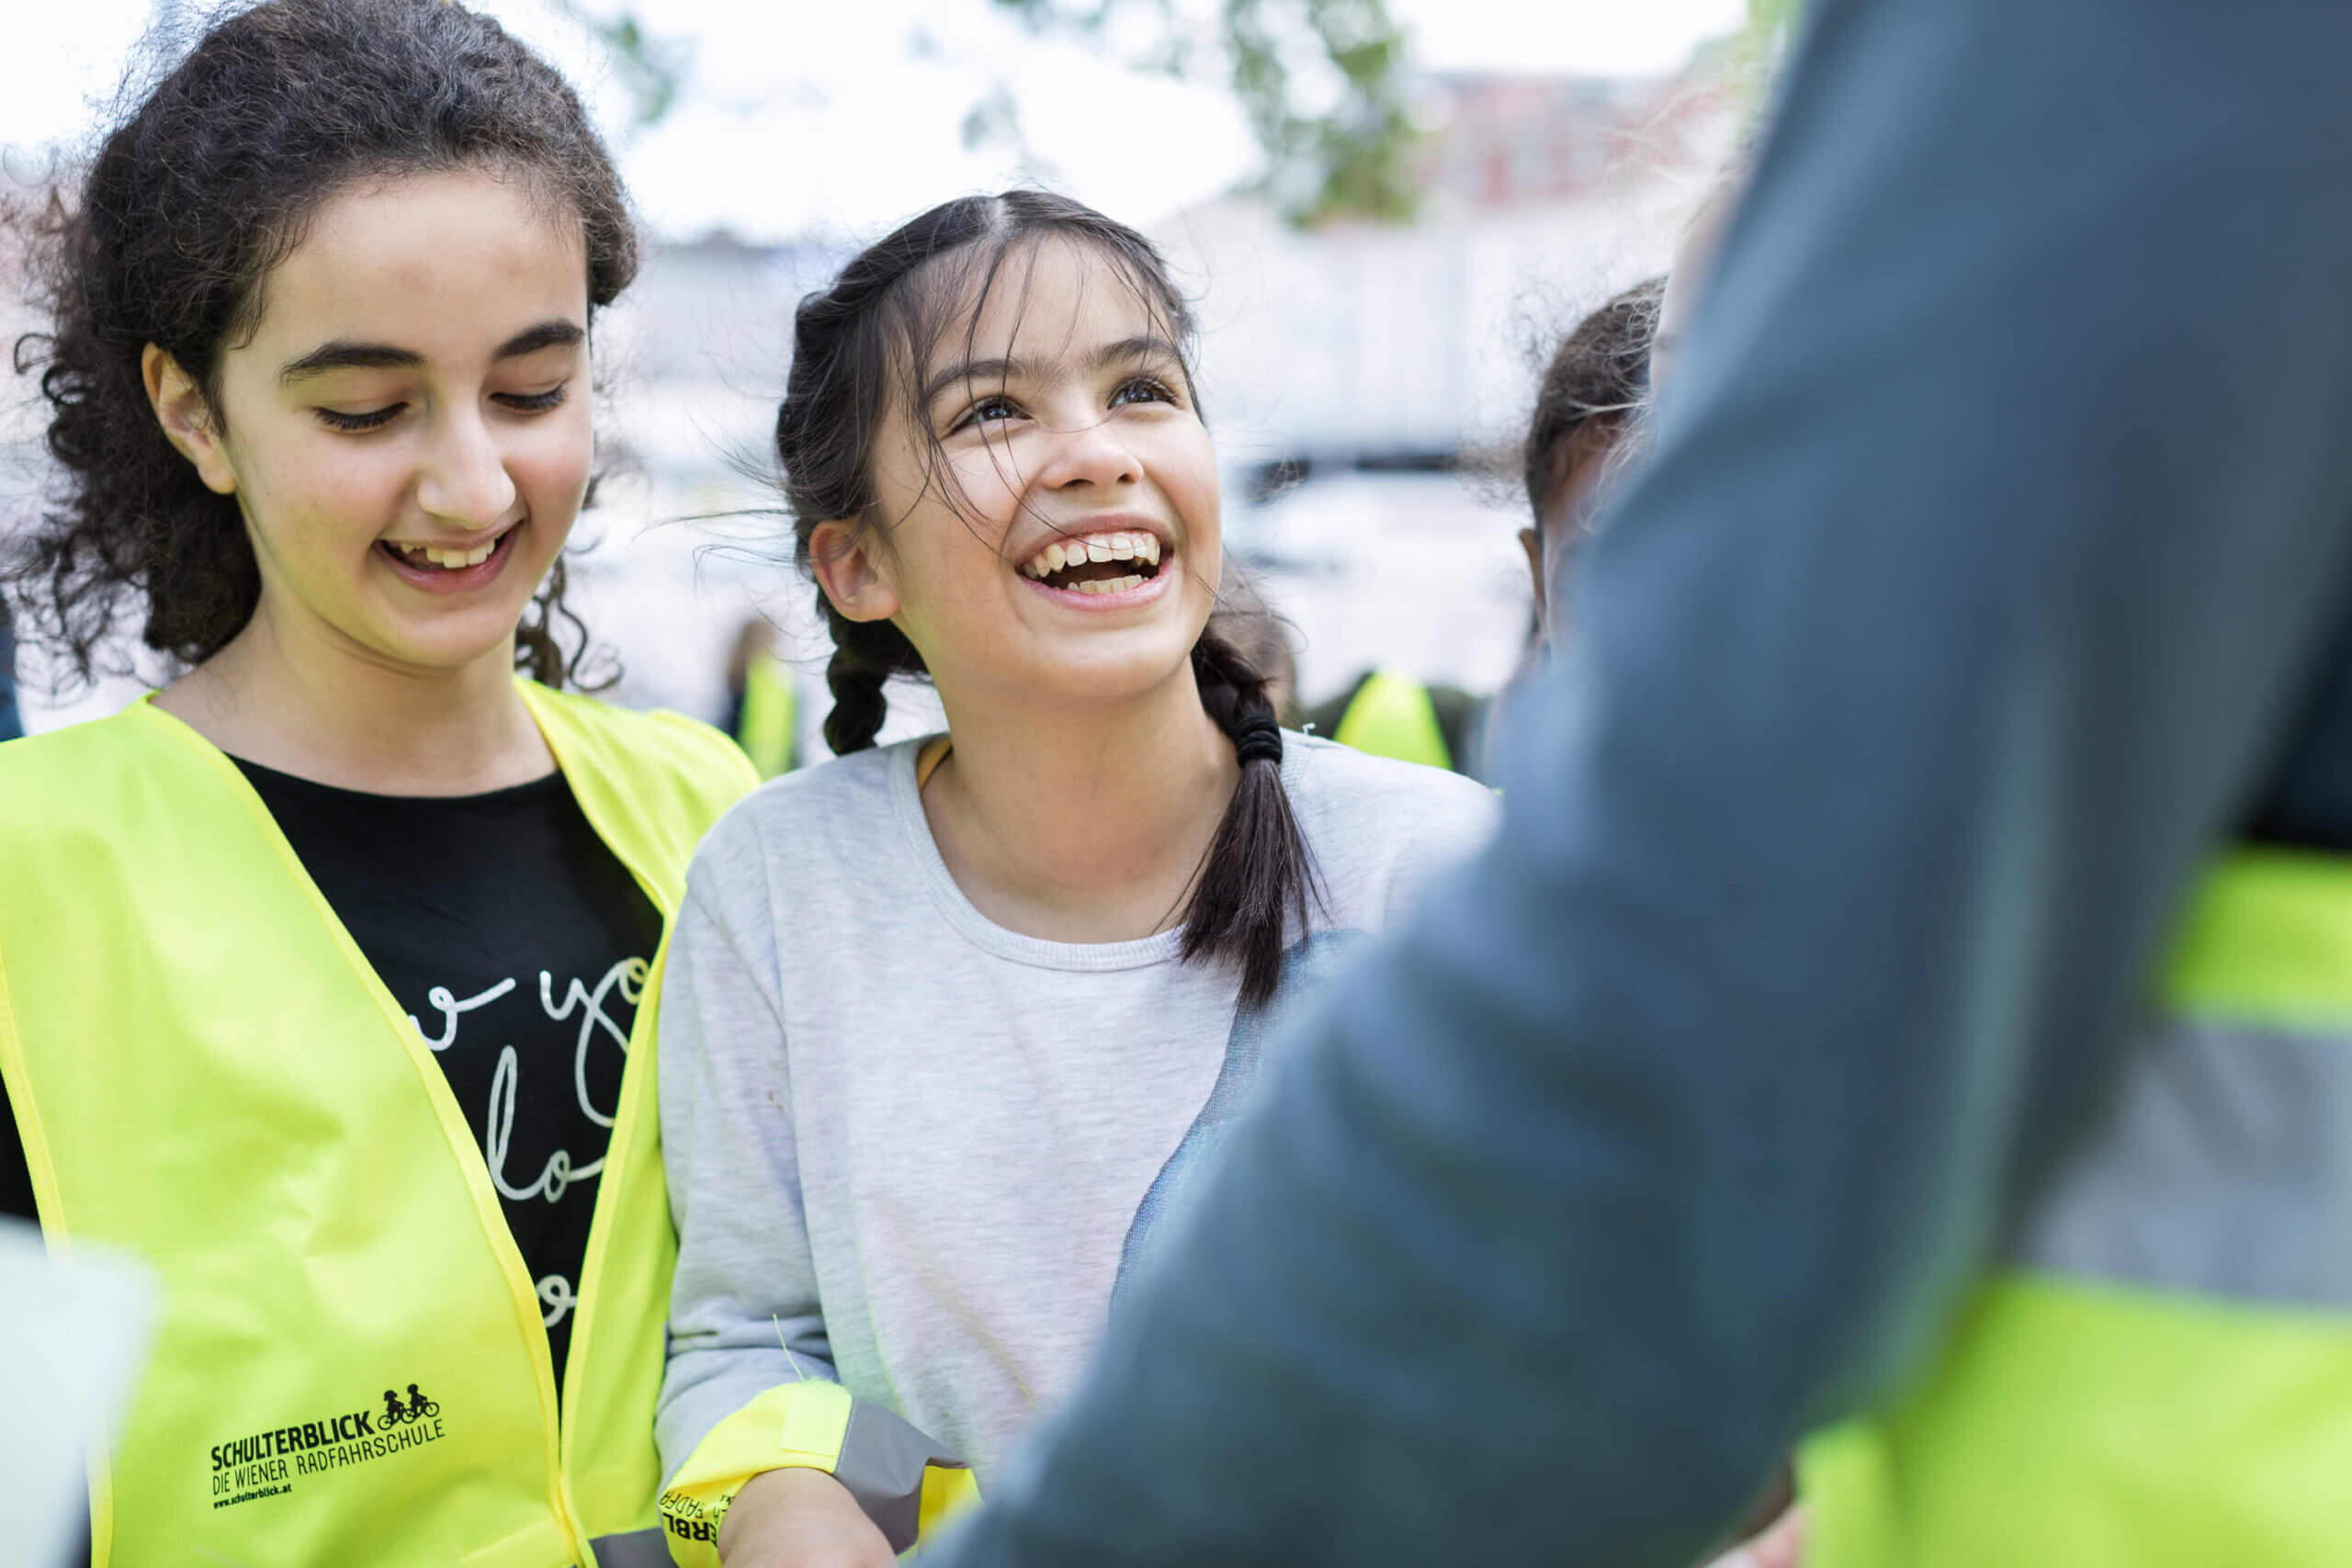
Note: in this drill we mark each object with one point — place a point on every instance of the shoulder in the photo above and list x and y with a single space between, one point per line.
811 826
653 740
55 753
1379 827
65 776
670 774
1341 784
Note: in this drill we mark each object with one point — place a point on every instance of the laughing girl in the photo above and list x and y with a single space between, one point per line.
949 1024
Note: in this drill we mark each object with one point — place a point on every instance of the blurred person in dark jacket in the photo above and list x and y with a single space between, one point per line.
1908 988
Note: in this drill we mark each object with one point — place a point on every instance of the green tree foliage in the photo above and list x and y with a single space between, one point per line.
1323 82
652 67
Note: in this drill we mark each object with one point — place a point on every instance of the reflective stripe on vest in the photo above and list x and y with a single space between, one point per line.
351 1366
1391 715
897 1475
2163 1374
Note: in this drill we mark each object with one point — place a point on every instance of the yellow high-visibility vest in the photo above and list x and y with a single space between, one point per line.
769 723
1392 716
2160 1374
350 1367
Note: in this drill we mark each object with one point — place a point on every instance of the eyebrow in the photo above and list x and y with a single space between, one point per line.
1126 350
345 355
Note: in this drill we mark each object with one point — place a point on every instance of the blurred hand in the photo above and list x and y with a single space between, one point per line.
1779 1545
799 1518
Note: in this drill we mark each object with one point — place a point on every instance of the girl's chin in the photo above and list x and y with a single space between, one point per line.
1107 667
443 643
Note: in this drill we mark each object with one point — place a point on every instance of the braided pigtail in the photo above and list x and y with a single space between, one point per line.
1257 883
865 655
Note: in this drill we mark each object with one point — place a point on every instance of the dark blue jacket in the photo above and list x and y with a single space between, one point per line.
1992 572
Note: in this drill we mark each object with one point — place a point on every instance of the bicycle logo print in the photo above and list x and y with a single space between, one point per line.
417 1408
268 1464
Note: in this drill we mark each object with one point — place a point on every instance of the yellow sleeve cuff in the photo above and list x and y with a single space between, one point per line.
795 1425
897 1475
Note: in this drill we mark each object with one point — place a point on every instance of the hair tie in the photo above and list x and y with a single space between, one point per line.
1257 739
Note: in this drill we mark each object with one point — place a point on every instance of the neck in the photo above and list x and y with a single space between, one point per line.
1084 824
302 698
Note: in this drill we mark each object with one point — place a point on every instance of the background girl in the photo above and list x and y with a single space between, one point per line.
318 970
950 1024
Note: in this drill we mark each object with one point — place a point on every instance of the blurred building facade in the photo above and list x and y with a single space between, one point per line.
1366 378
1354 373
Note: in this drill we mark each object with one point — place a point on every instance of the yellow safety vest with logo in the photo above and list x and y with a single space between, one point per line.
1391 715
2161 1372
351 1367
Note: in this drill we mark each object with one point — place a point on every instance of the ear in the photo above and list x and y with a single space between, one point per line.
187 419
854 571
1532 541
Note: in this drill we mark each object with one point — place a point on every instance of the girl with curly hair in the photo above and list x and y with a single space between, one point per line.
321 967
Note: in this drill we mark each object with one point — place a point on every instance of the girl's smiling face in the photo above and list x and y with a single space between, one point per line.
406 427
1046 517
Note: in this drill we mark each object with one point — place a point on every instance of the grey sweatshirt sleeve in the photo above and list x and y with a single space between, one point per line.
1985 569
743 1310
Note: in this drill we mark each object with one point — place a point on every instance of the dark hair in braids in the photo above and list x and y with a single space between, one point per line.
191 200
858 354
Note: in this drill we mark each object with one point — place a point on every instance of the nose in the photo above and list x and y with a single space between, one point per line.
465 479
1090 453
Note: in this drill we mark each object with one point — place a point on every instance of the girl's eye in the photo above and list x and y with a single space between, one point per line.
987 410
374 419
1142 390
537 403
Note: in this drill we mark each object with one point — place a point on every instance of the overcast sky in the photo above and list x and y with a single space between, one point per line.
813 115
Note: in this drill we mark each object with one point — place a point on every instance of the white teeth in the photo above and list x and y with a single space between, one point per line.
1111 585
452 560
1100 547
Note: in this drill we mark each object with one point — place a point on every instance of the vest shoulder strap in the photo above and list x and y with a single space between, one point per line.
651 783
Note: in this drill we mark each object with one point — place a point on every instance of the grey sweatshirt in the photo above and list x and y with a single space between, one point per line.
917 1152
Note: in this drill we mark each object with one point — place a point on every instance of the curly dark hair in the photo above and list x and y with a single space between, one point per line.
192 199
1598 378
858 352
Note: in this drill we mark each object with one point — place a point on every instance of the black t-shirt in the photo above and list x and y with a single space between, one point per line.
517 941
